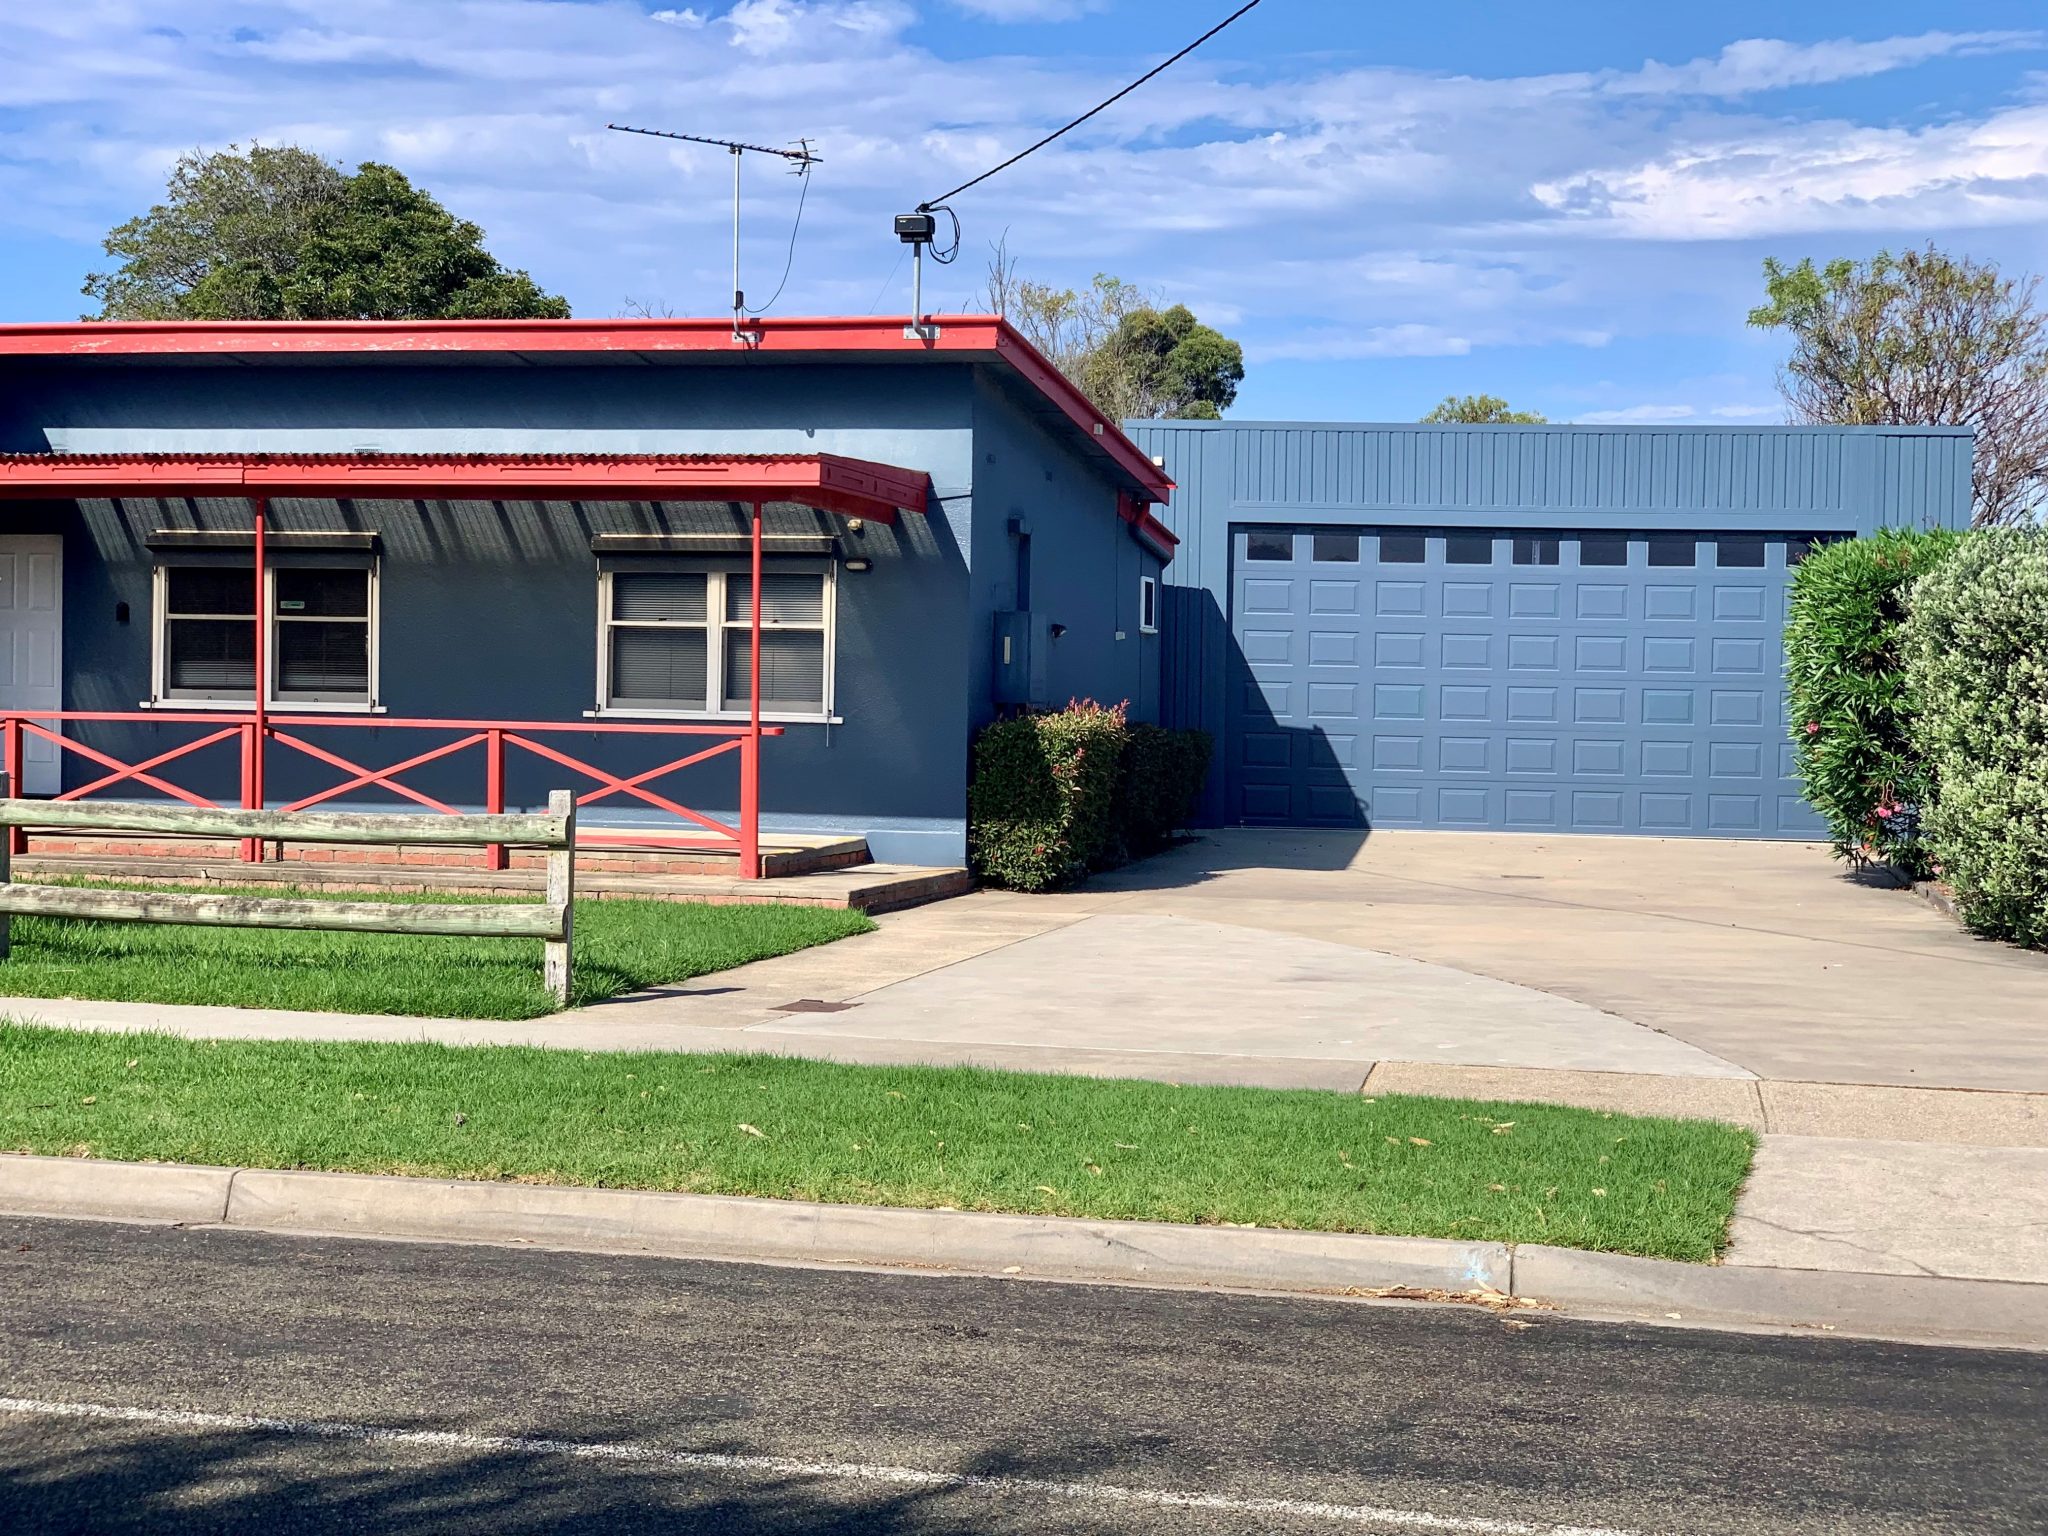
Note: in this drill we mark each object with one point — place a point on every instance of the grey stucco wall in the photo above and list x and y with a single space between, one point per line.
489 610
1819 480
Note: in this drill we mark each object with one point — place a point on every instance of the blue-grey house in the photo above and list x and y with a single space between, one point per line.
463 563
1539 629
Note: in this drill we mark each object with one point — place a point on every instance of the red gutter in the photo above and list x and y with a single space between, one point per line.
966 338
851 487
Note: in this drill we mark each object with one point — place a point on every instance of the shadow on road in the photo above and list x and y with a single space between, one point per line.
98 1479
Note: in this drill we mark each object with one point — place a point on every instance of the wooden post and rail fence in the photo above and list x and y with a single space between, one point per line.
551 921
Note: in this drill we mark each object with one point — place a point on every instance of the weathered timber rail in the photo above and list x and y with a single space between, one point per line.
551 921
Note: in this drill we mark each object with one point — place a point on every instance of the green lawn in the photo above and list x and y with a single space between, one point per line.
923 1136
620 946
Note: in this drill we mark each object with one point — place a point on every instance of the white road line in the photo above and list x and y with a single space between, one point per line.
629 1453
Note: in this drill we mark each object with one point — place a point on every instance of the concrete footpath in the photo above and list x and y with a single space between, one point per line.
1910 1306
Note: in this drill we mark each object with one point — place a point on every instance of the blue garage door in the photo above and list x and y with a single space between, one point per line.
1541 682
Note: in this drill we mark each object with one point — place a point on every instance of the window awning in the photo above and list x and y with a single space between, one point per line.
829 482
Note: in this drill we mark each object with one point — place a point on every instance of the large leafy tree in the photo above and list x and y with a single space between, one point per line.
1922 339
282 234
1481 410
1130 356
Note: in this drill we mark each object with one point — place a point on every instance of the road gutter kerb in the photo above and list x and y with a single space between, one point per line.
1914 1308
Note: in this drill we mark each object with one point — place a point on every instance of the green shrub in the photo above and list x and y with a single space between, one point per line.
1041 806
1161 779
1976 648
1846 692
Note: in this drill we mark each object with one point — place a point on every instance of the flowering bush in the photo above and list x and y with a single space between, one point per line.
1976 650
1847 694
1041 804
1056 795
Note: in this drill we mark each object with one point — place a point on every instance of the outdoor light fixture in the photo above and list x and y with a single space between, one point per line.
919 230
916 228
858 563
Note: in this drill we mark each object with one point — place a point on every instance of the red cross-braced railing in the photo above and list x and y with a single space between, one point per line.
257 738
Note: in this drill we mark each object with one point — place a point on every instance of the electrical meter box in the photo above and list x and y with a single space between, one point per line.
1023 649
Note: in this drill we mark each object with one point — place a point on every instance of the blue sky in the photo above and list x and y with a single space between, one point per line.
1565 204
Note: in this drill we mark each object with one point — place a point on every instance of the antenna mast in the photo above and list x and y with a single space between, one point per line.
800 159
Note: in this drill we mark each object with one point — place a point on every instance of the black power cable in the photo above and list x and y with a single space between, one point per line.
940 200
804 175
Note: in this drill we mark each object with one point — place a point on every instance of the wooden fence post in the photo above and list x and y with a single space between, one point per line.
554 968
6 873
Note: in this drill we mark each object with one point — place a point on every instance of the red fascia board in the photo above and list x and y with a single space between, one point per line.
1079 409
1163 540
852 487
969 337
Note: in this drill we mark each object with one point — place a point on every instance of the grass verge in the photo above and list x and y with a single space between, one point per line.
620 946
910 1136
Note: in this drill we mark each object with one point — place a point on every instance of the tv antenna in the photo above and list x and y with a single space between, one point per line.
800 161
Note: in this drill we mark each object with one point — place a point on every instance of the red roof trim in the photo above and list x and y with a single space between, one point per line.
962 335
852 487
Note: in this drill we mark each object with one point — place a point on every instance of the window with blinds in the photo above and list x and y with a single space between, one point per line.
680 640
320 623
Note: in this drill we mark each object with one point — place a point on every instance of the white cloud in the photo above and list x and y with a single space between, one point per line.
1639 416
1031 10
1769 64
774 26
1779 179
1325 212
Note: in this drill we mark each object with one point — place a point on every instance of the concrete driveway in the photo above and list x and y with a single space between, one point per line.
1639 955
1628 973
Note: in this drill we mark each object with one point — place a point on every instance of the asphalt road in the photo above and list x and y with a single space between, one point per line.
422 1388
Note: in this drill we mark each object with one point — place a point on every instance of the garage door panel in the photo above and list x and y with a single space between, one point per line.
1333 648
1632 686
1600 653
1398 649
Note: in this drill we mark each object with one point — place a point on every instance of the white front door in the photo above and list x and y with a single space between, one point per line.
32 645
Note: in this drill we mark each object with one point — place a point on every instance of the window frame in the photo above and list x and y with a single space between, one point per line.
716 570
1148 605
163 696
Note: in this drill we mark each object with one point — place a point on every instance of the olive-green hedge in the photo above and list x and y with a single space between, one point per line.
1846 692
1976 649
1056 795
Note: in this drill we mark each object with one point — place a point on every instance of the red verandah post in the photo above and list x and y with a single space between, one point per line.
750 756
253 741
494 792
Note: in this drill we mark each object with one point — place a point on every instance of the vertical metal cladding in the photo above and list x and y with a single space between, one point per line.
1479 765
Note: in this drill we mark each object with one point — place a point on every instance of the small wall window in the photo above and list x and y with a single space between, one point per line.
1673 549
1148 605
1800 545
1603 549
1535 549
1336 546
1269 544
1468 549
676 639
1403 548
322 646
1743 551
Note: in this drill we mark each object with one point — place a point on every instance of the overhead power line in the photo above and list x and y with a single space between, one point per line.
1149 74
